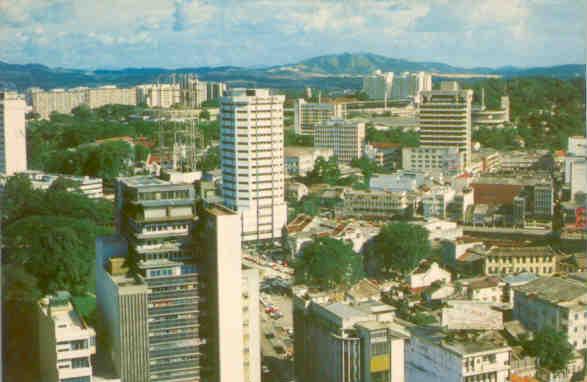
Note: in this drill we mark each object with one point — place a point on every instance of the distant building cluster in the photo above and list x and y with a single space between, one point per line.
379 85
188 91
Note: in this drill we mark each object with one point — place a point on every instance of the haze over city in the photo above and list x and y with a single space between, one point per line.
191 33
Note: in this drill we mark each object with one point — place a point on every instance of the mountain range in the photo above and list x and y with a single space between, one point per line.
329 71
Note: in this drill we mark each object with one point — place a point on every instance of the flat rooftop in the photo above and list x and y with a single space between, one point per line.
555 290
141 181
462 343
521 251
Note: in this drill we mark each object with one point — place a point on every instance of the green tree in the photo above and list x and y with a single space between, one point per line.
141 152
367 166
325 171
400 247
328 263
204 114
210 160
551 347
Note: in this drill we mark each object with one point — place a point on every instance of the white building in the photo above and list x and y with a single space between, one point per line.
90 187
251 149
441 229
409 85
430 357
435 202
66 342
308 114
378 85
403 181
299 160
576 165
426 274
159 95
345 138
445 119
439 160
12 134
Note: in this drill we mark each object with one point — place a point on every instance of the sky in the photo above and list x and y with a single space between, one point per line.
193 33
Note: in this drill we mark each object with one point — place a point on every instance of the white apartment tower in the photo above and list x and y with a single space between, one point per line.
445 119
251 143
378 85
307 115
345 138
12 134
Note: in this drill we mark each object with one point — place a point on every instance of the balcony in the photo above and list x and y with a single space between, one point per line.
168 324
188 293
176 309
168 281
173 337
175 366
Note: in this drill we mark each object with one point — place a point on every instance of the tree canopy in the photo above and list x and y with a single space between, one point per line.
400 247
328 263
551 347
324 171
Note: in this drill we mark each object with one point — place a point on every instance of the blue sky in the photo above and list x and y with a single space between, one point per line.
186 33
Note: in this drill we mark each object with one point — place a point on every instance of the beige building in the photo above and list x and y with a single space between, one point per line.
308 114
557 302
159 95
66 342
509 260
345 138
251 325
64 101
13 157
445 119
378 85
436 160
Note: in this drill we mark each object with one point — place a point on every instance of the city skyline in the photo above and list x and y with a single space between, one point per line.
184 33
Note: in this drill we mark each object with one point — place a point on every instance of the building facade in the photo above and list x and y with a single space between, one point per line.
557 302
299 161
442 160
409 85
13 157
342 342
307 115
374 204
252 161
511 260
159 95
66 342
345 138
378 85
445 119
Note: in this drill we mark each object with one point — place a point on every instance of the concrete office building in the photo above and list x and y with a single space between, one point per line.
435 202
445 119
378 85
344 342
447 161
557 302
345 138
307 115
481 116
385 154
251 325
13 156
66 342
90 187
576 165
152 312
252 162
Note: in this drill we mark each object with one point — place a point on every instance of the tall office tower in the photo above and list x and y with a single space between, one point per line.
445 119
66 342
150 300
251 146
12 134
378 85
345 138
307 115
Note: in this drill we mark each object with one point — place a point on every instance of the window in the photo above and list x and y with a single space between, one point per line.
77 363
79 344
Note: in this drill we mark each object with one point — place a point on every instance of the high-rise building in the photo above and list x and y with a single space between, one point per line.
343 342
159 95
12 134
66 342
193 91
251 152
171 291
378 85
345 138
111 95
445 119
307 115
409 85
149 298
215 90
